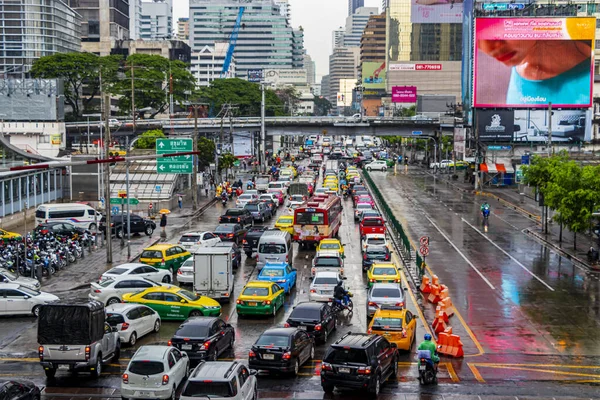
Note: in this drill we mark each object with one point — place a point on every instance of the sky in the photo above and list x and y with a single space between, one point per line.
318 18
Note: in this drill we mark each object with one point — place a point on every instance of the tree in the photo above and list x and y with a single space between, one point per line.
80 73
289 97
207 151
147 140
227 161
405 111
322 106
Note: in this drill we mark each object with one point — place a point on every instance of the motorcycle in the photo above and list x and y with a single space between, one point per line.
485 212
340 305
427 368
224 201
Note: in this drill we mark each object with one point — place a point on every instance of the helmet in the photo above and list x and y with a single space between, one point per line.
427 336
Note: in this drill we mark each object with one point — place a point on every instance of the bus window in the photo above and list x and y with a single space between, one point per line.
310 218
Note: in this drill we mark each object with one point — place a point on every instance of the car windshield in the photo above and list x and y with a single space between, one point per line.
262 180
393 293
189 238
252 207
297 197
372 222
28 291
376 241
146 367
364 206
276 185
114 319
327 262
188 295
286 220
340 356
256 291
384 271
271 248
387 323
151 254
192 330
204 389
118 271
272 340
224 229
325 280
329 246
270 272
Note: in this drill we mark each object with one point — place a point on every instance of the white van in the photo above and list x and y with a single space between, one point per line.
80 215
274 246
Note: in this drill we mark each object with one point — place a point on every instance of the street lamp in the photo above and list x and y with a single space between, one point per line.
88 116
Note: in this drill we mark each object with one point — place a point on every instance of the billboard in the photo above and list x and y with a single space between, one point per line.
460 139
495 126
415 67
568 126
242 144
255 75
285 76
436 11
373 75
404 94
530 62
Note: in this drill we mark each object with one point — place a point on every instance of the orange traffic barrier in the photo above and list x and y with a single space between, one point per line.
425 285
444 292
440 310
434 295
449 307
443 340
439 324
435 280
456 346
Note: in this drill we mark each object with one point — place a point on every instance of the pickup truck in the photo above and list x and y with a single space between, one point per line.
76 337
250 242
237 216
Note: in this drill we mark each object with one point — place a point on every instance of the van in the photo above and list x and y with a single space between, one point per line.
274 246
80 215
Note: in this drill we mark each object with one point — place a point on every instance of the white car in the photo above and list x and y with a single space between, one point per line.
132 321
185 273
277 187
270 196
322 285
111 291
8 277
441 164
380 165
155 372
374 239
221 380
139 271
244 199
20 300
198 239
296 200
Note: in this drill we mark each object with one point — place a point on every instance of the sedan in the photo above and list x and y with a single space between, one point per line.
18 389
111 291
315 318
365 199
20 300
139 271
198 239
8 277
296 200
390 294
132 321
282 350
231 232
360 207
204 338
373 239
185 273
323 284
58 229
374 254
281 273
244 199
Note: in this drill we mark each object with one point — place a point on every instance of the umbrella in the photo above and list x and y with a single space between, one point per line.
164 211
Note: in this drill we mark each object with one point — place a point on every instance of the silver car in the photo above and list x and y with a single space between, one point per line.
8 277
384 293
185 273
323 284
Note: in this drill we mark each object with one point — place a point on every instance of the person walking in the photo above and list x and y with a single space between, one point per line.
180 201
206 187
163 223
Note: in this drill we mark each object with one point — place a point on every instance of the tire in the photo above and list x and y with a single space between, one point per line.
196 313
311 356
97 372
231 342
325 336
384 169
274 310
92 227
327 387
113 300
213 355
374 391
156 326
117 354
173 393
132 339
296 368
350 306
166 279
119 233
36 311
394 374
262 218
369 169
50 373
149 231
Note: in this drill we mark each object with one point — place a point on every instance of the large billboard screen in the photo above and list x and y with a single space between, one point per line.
373 75
530 62
436 11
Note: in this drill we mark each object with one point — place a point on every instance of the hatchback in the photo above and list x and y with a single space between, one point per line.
165 256
137 270
389 294
221 380
132 321
375 254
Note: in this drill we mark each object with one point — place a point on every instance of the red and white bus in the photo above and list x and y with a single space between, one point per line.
319 218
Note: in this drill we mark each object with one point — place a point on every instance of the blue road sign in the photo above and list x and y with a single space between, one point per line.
115 209
417 132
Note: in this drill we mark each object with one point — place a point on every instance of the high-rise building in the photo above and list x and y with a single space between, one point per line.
135 19
207 64
104 22
355 25
337 37
265 38
384 4
325 87
343 63
354 4
298 48
309 64
157 20
285 8
183 29
372 42
33 29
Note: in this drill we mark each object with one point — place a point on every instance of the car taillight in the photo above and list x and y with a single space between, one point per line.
371 280
238 302
397 280
286 258
423 360
170 343
206 345
267 303
313 270
244 241
387 257
257 257
286 356
326 367
251 354
403 333
125 378
165 380
364 371
365 256
369 331
230 235
239 219
286 325
162 261
124 326
41 353
400 304
372 304
87 352
313 291
97 291
318 327
179 272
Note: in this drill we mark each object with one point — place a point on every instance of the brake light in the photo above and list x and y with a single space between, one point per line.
369 331
206 344
179 272
286 325
286 257
372 304
238 302
318 327
387 257
41 352
244 241
251 354
423 360
313 270
97 291
371 280
401 304
286 356
124 326
403 333
239 219
313 291
364 371
230 235
326 367
170 343
397 280
365 256
162 261
165 380
268 302
125 378
87 352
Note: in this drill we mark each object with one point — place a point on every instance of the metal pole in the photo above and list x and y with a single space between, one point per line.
107 180
262 129
128 201
195 161
88 141
550 148
132 96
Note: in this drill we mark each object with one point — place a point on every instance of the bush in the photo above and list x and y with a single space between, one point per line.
147 140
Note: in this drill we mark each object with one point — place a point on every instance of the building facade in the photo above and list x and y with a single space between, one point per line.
325 87
135 19
343 64
298 48
372 42
337 37
207 64
354 4
183 29
310 67
285 8
355 25
157 20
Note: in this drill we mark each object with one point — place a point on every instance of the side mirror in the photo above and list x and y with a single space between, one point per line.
294 270
25 297
183 301
184 354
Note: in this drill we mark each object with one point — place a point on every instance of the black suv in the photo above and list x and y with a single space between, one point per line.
119 225
359 361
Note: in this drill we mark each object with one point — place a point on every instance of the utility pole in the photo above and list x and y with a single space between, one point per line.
195 161
550 147
107 179
263 144
128 201
133 96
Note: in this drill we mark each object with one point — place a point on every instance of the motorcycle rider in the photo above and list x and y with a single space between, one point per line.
340 294
427 344
485 206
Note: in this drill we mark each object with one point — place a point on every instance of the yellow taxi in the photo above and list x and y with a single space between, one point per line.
173 303
165 256
331 185
291 169
260 298
331 245
383 272
285 223
396 325
330 178
6 235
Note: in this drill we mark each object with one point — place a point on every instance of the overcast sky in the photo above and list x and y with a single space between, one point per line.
318 18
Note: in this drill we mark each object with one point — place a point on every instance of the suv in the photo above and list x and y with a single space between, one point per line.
260 211
216 380
118 225
359 361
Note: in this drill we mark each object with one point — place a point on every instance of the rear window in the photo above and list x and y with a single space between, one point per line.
114 319
192 330
252 207
306 313
205 389
297 197
151 254
262 180
377 250
257 229
327 262
286 220
376 241
330 246
189 238
339 356
364 207
386 292
256 291
235 212
118 271
272 340
326 281
268 272
146 367
384 271
372 222
271 248
224 228
387 323
275 185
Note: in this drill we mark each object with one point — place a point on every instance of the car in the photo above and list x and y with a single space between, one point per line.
271 204
252 237
360 207
371 225
204 338
260 211
321 191
359 361
368 213
296 200
137 270
18 389
396 324
230 232
323 284
278 187
285 223
262 183
375 254
112 123
279 196
279 272
331 245
357 193
384 293
365 199
118 225
221 380
111 291
154 372
378 165
245 198
318 319
441 164
327 261
132 321
165 256
374 239
58 229
357 188
185 273
7 236
236 258
191 240
282 350
383 272
8 277
174 303
270 196
240 216
260 298
16 299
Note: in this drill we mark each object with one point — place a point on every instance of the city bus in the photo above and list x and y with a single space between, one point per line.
319 218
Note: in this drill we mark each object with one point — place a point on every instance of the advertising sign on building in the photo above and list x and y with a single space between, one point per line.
495 125
404 94
285 76
415 67
255 75
530 62
373 75
568 126
459 140
436 11
341 99
242 144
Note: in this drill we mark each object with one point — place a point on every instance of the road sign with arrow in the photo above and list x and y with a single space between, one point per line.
178 164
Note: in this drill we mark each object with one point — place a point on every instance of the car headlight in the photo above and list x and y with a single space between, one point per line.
212 307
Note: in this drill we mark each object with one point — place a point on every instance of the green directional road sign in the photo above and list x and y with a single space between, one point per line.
177 164
117 200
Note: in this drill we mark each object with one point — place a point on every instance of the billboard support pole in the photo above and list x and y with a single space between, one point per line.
550 147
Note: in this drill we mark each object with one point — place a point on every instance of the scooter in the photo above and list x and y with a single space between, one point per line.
224 200
485 212
427 368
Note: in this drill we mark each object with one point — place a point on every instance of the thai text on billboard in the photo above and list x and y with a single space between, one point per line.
436 11
404 94
530 62
415 67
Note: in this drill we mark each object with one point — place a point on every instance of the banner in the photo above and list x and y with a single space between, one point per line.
415 67
436 11
373 75
255 75
530 62
242 144
495 125
460 140
404 94
568 126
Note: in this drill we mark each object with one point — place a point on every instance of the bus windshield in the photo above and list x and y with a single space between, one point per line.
310 218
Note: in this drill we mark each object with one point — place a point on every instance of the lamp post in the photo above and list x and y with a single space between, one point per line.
88 116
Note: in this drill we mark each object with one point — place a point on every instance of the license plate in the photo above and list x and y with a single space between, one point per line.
252 303
302 327
63 367
421 368
186 347
269 356
345 370
145 394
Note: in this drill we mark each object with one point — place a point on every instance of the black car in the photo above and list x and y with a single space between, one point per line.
281 350
316 318
58 229
230 232
251 239
374 254
119 225
18 389
204 338
237 216
359 361
237 253
270 204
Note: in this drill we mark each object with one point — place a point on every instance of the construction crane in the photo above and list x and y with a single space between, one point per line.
232 41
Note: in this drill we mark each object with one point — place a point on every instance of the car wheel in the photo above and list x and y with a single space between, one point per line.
312 353
376 387
296 368
213 355
166 279
149 231
231 342
173 393
119 233
113 300
262 218
50 372
132 339
157 326
394 375
92 227
274 309
36 311
117 354
97 372
196 313
369 169
327 388
384 169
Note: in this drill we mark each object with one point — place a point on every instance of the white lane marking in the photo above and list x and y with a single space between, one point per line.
509 256
461 253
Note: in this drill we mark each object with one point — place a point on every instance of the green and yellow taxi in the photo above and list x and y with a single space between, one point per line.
285 223
396 325
173 303
331 185
260 298
165 256
383 272
6 235
331 245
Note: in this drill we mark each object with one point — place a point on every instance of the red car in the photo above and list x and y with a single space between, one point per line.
372 225
365 199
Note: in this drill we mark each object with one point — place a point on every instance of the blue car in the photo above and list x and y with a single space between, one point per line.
279 272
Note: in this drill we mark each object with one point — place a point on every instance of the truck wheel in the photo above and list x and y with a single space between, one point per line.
98 368
149 231
36 311
50 372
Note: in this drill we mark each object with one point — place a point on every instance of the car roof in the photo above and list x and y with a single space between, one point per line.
280 331
163 246
385 285
275 265
9 285
313 305
329 240
199 321
384 265
122 307
218 371
356 340
170 288
129 266
151 353
195 233
328 253
395 313
259 284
